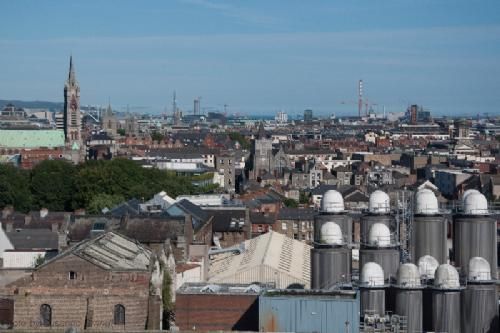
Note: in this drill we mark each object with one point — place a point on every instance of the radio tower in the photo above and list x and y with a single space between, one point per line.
360 97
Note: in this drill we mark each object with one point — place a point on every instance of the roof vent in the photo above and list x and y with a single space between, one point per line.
479 269
427 202
446 277
253 288
379 235
331 234
427 266
332 202
372 275
408 275
379 203
211 289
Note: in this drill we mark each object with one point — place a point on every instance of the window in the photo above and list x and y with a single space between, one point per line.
119 317
72 275
45 315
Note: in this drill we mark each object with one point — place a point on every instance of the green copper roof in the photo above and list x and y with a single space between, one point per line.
31 138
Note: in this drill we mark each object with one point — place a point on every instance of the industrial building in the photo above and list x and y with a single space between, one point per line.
427 289
269 258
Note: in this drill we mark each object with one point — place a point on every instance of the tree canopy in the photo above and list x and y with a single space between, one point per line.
93 185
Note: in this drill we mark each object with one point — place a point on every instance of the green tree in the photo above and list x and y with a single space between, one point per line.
52 185
303 198
290 203
121 131
236 136
157 136
103 200
15 188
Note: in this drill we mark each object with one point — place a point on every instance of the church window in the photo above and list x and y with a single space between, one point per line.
45 315
119 316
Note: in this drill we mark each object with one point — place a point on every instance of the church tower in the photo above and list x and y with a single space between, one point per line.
72 119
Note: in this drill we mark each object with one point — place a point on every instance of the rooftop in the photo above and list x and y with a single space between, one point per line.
31 138
111 251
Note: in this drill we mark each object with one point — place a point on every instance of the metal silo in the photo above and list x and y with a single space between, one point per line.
475 233
378 212
479 299
372 289
427 266
429 231
446 300
331 255
409 297
332 210
381 248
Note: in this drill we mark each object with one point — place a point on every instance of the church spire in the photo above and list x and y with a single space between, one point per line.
71 76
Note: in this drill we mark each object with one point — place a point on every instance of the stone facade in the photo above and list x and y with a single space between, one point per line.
71 291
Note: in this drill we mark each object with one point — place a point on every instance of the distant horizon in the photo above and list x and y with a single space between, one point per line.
257 57
270 115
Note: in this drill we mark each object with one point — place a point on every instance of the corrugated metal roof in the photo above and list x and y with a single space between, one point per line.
112 251
31 138
270 258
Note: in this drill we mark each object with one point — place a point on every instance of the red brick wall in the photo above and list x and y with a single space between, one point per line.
217 312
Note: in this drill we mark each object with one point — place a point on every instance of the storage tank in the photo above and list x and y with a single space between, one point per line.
427 266
446 300
332 210
378 212
372 289
409 296
429 233
479 299
330 258
381 248
475 233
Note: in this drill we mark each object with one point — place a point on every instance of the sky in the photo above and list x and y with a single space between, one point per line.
257 57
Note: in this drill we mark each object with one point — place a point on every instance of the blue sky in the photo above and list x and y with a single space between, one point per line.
256 56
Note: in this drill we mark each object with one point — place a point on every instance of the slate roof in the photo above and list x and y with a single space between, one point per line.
222 219
153 230
130 207
296 214
321 189
31 239
261 218
33 220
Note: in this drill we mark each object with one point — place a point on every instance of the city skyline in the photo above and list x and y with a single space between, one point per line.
257 58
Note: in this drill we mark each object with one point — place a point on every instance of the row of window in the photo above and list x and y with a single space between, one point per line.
46 315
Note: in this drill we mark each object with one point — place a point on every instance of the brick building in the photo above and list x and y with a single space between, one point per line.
296 223
109 282
225 307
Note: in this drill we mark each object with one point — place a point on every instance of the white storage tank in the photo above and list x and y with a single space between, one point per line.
409 297
429 234
475 233
479 299
446 306
372 289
